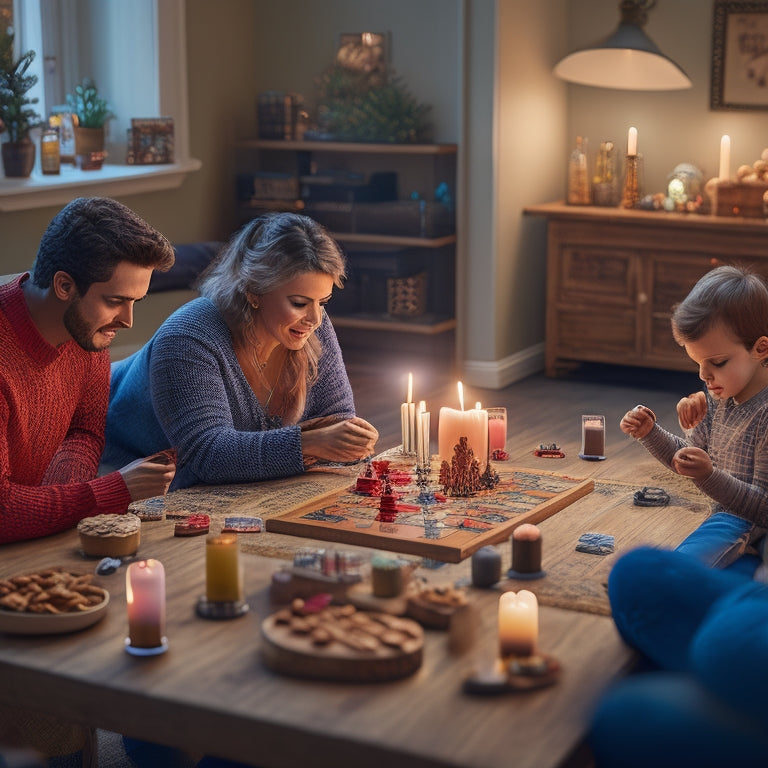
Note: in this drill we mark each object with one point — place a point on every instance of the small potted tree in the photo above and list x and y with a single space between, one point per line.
91 113
16 113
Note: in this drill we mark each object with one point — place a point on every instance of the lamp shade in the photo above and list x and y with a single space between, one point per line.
628 59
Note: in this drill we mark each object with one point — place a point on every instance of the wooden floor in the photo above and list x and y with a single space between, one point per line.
539 409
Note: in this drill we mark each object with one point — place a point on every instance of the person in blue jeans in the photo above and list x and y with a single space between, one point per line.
723 326
701 697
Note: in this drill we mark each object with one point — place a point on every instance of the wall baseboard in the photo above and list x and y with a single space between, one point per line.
498 374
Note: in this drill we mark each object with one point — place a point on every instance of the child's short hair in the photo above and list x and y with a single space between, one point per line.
735 296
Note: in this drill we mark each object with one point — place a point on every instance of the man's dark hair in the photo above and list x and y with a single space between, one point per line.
90 236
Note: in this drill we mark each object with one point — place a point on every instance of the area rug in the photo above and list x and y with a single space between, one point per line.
578 580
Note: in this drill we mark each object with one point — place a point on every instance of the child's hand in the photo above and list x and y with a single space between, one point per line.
638 422
693 463
691 410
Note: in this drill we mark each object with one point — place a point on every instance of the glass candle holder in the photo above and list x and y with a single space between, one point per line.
497 429
592 438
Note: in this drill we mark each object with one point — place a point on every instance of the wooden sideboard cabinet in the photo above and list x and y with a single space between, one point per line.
614 275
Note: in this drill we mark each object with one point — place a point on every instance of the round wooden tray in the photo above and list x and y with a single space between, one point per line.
296 655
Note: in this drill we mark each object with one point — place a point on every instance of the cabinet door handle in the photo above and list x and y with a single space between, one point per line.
642 298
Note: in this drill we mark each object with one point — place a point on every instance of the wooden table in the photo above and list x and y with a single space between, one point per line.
211 694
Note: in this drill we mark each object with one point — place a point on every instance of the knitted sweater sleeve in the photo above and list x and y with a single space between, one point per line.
209 412
662 445
69 490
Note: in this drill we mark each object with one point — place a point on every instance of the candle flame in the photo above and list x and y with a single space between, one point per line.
461 395
478 407
410 388
422 406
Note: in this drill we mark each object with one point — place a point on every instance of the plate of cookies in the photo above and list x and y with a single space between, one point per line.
50 601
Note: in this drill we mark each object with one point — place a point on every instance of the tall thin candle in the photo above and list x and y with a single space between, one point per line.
632 141
725 158
408 420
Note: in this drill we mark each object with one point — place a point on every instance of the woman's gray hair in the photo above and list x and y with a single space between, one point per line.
265 254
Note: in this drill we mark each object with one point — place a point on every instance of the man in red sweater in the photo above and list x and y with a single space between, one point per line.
94 262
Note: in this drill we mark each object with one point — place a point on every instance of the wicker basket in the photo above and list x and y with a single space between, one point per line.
407 296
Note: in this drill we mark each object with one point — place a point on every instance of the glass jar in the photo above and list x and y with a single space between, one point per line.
50 157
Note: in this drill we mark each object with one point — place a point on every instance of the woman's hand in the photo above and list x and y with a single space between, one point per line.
638 422
691 410
348 440
693 463
150 476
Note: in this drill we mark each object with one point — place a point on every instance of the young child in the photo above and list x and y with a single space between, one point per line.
723 326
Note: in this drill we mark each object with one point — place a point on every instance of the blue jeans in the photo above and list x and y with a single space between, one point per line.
719 541
706 632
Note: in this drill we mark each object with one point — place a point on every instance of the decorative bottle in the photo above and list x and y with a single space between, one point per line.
579 191
50 158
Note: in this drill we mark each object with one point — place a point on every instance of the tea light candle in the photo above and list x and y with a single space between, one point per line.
632 141
145 598
725 158
223 575
472 424
518 623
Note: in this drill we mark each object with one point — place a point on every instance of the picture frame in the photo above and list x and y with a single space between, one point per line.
150 141
739 55
364 51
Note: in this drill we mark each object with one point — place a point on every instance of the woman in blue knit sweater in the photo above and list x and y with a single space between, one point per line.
247 382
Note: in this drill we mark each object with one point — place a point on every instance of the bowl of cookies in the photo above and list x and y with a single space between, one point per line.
50 601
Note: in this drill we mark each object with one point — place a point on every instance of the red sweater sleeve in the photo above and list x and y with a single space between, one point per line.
53 403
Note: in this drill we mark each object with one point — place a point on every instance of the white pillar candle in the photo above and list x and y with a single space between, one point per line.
632 141
518 623
725 158
145 598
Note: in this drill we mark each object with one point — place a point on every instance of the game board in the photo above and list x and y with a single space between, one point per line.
448 530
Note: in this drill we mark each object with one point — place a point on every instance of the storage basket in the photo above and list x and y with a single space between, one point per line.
407 296
740 198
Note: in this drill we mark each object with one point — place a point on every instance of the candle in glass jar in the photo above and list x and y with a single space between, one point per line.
223 575
472 424
145 597
497 428
518 623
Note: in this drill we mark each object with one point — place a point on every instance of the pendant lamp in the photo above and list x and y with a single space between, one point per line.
628 59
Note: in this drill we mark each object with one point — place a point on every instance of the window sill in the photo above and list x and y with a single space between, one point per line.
39 191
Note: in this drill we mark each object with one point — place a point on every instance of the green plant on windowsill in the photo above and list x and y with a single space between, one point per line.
92 110
16 113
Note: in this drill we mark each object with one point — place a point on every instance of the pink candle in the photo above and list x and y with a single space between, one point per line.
145 596
453 424
497 429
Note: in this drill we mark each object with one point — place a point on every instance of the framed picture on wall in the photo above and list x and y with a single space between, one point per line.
150 141
739 55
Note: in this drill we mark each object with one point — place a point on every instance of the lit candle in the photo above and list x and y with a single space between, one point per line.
145 597
632 141
408 420
422 435
725 158
472 424
518 623
223 575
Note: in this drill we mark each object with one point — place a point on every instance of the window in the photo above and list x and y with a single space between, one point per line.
136 53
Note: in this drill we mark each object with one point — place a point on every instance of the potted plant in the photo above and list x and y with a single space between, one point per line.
16 114
91 113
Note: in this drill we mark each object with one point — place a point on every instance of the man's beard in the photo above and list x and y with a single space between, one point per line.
79 329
